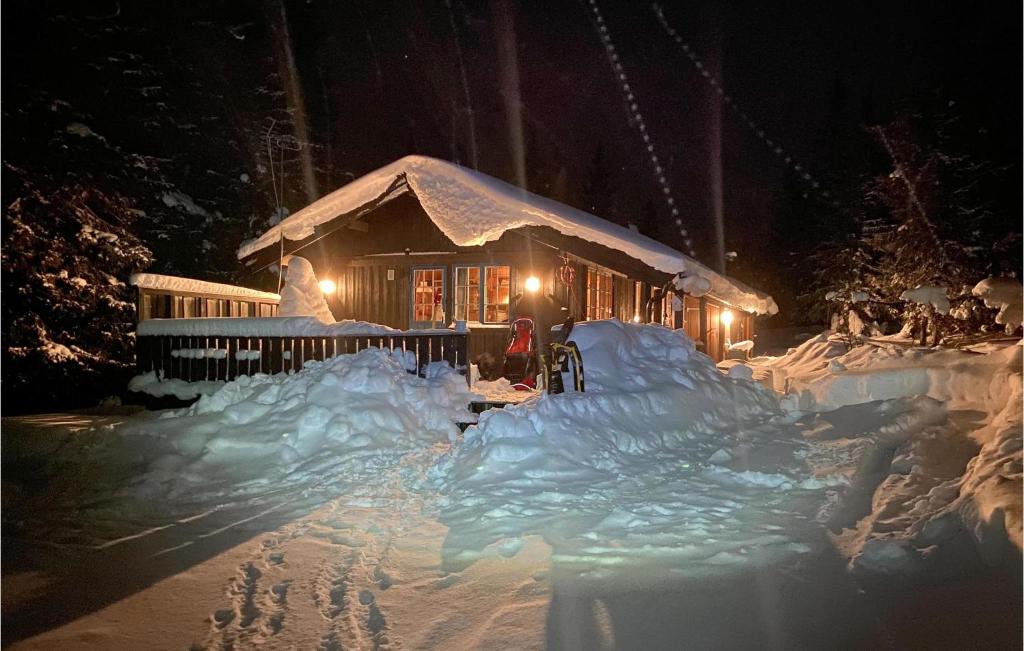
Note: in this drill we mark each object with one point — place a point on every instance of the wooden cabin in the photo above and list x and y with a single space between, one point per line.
424 243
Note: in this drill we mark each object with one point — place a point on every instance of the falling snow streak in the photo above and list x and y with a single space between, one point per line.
632 103
703 70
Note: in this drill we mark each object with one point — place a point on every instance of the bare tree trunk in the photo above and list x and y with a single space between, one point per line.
712 24
470 118
509 70
293 91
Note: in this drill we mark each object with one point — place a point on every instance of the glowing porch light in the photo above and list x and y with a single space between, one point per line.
327 286
726 318
636 318
533 284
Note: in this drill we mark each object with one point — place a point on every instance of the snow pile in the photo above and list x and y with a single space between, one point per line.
928 295
181 284
663 459
335 421
824 373
1005 294
301 295
921 493
471 209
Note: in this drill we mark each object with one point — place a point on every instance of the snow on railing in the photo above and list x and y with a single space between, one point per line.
228 355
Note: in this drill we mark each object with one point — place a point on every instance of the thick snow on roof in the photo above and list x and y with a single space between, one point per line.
471 209
180 284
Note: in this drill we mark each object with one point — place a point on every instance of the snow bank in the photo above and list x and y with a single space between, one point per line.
663 460
336 421
301 295
471 209
1005 294
180 284
823 374
953 477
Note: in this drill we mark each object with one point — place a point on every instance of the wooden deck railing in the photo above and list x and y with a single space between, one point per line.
214 357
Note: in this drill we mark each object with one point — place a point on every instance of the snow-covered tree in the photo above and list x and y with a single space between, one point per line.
68 312
923 222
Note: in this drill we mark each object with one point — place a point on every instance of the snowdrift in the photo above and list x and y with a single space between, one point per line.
334 423
957 476
663 460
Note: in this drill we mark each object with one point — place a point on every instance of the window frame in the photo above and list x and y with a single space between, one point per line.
478 309
481 307
413 323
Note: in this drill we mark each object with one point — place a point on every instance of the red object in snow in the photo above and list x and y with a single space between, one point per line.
521 356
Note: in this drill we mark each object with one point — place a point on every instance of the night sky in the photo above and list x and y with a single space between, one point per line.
383 79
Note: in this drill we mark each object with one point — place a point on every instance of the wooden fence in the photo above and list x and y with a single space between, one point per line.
211 357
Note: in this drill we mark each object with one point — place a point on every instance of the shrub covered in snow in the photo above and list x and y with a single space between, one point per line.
1004 294
67 310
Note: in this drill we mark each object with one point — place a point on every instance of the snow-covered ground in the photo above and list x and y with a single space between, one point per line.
671 505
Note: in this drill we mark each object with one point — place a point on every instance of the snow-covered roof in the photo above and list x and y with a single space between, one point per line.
181 284
471 209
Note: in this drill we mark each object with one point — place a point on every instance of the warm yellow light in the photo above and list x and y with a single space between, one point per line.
636 318
533 284
327 286
726 318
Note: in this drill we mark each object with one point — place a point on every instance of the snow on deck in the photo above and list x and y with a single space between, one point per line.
472 209
181 284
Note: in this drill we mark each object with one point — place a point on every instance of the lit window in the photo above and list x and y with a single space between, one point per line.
497 284
467 293
599 294
427 283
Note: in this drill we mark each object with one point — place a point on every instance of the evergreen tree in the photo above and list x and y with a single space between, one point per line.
922 221
68 311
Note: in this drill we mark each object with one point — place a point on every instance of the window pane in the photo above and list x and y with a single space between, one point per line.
425 283
497 285
467 293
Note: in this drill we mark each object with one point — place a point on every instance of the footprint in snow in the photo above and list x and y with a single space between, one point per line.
222 617
447 582
381 578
